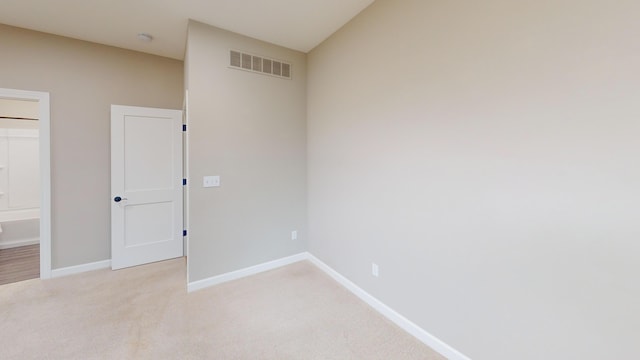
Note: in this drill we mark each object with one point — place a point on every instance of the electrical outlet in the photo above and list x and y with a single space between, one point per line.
374 269
294 235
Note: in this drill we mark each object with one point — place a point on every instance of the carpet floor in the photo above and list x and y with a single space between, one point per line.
294 312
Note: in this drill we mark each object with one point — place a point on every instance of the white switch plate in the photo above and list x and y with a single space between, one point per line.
211 181
374 269
294 235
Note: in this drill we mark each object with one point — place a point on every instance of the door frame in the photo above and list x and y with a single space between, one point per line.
45 170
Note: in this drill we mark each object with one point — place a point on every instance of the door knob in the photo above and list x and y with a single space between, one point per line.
118 199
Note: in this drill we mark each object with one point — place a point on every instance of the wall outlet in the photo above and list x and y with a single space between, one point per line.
294 235
374 269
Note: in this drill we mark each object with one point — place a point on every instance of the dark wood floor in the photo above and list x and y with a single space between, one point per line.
19 263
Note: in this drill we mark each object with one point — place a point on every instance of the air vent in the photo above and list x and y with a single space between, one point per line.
246 61
277 68
259 64
266 66
236 59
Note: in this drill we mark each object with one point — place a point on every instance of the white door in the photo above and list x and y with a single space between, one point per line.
146 185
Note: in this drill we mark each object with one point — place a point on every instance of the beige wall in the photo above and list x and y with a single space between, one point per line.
249 129
24 109
19 109
83 80
485 156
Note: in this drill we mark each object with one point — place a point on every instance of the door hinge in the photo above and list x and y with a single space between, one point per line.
184 232
184 127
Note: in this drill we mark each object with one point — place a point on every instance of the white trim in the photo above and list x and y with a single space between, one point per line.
408 326
17 243
77 269
433 342
45 171
219 279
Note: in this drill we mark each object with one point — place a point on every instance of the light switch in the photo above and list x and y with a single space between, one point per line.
211 181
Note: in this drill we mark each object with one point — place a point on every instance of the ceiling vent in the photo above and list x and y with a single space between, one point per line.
259 64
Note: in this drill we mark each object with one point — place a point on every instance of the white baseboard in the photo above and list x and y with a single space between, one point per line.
219 279
104 264
18 243
404 323
408 326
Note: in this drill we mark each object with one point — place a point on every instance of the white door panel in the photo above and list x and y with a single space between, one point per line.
149 163
146 185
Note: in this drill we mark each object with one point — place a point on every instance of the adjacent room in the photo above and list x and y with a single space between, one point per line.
337 179
19 191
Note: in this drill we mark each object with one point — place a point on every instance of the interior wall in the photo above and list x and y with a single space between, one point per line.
83 80
19 109
19 158
250 130
13 114
485 156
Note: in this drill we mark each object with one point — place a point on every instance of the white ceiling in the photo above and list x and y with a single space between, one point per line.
296 24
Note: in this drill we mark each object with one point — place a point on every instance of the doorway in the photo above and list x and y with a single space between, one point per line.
40 206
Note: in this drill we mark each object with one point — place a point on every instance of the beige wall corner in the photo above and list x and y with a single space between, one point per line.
249 129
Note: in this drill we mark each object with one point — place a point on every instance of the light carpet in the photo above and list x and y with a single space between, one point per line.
294 312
